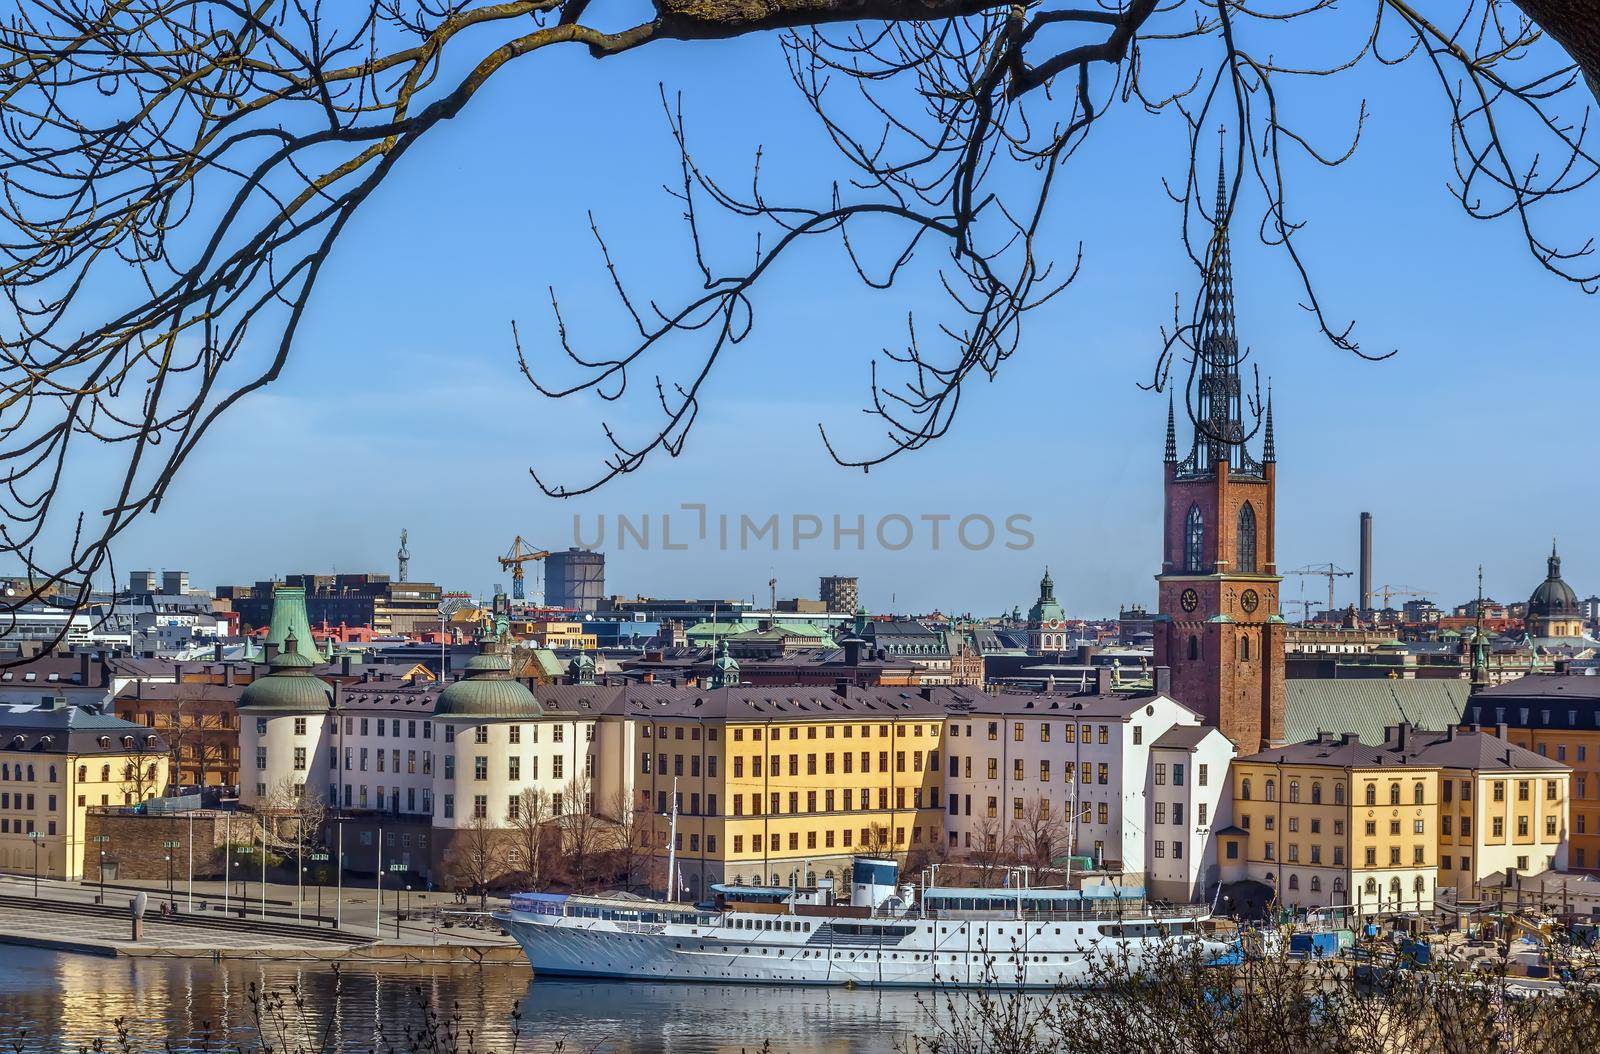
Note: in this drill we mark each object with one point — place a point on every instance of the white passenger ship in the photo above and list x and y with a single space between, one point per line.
886 936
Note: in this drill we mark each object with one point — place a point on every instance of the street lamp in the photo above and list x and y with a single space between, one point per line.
396 869
245 851
169 846
101 840
35 837
319 856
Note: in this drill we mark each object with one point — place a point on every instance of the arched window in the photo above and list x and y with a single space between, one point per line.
105 773
1247 539
1394 794
1338 794
1316 792
1244 649
1272 790
1316 883
83 773
1338 883
1371 887
1372 794
1294 881
1194 541
1244 788
1194 648
1416 793
1419 886
53 779
1294 790
1394 889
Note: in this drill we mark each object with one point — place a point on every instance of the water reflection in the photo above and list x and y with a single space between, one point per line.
53 1002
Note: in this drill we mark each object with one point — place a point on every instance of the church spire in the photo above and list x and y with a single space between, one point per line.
1219 427
1172 433
1269 448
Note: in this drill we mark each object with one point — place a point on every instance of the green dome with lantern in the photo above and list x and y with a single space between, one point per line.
289 685
488 690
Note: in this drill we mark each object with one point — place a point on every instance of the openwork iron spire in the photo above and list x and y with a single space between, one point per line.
1269 446
1219 414
1171 455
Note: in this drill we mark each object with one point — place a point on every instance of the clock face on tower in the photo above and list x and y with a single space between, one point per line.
1249 600
1190 599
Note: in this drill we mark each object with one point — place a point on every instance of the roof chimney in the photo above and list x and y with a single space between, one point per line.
83 668
216 652
1163 681
1102 680
852 650
841 687
227 675
344 664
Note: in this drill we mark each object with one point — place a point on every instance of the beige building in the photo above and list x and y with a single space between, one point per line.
57 762
1500 806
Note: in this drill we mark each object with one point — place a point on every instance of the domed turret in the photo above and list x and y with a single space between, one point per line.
289 685
1553 609
488 690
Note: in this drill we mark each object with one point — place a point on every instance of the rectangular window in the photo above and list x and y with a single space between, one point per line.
557 766
513 768
299 759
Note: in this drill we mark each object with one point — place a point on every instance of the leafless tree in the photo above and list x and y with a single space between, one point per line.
476 856
178 172
289 819
1039 836
145 766
630 835
202 732
583 833
529 828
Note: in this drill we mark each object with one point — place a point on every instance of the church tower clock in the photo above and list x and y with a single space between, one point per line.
1219 629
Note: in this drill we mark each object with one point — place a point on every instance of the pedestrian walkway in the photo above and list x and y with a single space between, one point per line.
92 918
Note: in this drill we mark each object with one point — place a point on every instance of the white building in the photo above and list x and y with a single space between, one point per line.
1189 800
1074 768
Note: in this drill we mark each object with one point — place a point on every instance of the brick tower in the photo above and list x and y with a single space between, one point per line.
1219 628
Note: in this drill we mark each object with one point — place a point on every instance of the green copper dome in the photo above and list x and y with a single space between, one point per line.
288 685
488 690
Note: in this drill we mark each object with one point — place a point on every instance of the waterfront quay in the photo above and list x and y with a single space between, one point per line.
268 925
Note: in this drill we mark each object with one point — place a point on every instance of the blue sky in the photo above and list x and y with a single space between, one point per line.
403 406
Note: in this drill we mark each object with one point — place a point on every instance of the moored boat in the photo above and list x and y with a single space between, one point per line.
887 935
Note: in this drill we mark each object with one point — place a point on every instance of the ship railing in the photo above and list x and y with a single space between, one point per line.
1110 913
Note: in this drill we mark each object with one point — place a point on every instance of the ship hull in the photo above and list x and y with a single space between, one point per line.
965 955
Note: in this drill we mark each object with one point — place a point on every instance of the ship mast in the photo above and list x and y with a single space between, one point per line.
672 845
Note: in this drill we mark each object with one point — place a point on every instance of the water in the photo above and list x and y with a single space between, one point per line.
56 1002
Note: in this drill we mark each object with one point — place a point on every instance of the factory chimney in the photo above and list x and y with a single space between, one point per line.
1366 561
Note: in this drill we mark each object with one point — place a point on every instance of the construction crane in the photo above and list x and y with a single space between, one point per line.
521 553
1328 571
1305 607
1398 591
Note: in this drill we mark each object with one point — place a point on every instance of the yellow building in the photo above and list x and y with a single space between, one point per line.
58 761
1333 821
777 785
560 635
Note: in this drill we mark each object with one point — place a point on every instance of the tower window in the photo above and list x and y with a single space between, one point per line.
1194 541
1194 648
1247 539
1244 649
